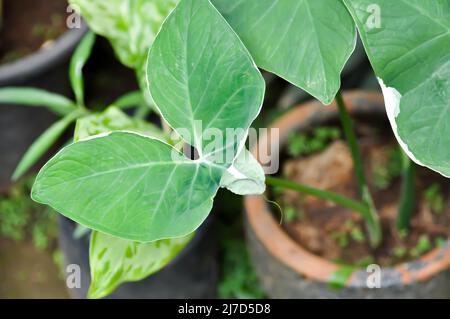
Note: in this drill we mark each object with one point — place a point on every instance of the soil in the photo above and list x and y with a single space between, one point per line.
339 234
29 25
30 263
27 272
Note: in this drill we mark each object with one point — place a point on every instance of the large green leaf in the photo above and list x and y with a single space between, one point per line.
307 42
129 186
130 25
114 260
410 52
36 97
138 188
204 81
110 120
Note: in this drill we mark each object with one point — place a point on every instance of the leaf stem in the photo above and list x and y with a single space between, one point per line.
372 219
407 202
326 195
347 125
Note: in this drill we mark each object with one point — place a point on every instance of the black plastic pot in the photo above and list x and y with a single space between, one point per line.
192 274
21 125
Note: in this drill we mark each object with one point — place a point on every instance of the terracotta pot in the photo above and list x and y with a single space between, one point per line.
288 270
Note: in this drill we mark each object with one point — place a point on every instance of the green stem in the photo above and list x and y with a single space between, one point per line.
142 112
329 196
372 219
347 125
407 202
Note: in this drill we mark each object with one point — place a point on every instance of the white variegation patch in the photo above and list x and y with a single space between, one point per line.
245 176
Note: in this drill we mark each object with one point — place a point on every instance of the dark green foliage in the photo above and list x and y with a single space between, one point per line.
21 218
313 142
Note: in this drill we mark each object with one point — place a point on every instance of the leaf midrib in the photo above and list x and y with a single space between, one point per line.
129 168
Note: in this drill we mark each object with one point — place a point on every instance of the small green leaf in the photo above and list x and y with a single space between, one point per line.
79 59
245 176
340 277
35 97
42 144
128 186
306 42
113 119
114 261
208 84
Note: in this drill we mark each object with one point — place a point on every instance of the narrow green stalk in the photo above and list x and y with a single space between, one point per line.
347 125
372 220
329 196
142 112
407 202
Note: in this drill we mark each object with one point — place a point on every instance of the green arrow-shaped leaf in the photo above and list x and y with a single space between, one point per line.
307 42
142 189
408 44
128 186
204 81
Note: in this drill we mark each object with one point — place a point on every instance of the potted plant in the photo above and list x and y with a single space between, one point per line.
73 238
34 43
291 270
317 247
139 193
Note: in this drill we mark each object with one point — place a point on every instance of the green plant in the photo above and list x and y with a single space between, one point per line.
400 251
435 199
423 245
21 218
140 191
49 31
384 174
104 250
238 278
316 141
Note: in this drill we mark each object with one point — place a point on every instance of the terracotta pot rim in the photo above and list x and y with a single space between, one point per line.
297 258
